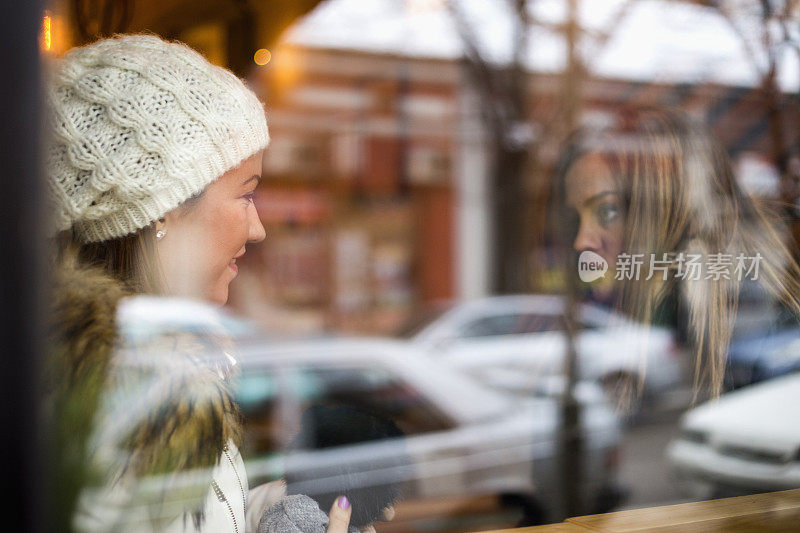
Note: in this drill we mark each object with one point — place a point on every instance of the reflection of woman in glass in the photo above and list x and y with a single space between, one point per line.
153 159
657 183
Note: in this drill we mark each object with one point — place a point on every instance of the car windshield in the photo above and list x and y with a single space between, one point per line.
417 323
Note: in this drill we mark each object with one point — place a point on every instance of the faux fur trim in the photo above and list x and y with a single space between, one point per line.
190 413
82 337
85 301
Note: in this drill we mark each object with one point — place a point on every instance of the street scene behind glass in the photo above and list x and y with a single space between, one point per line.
506 262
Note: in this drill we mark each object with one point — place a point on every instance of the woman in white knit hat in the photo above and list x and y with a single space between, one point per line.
153 158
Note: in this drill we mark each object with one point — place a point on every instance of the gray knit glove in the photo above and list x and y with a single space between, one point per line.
295 514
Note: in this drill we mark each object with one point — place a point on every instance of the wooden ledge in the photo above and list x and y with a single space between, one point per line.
770 512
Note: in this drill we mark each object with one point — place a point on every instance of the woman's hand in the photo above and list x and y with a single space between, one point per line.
339 515
386 516
266 495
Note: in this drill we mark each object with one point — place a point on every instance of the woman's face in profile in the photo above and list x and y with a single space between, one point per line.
593 195
202 242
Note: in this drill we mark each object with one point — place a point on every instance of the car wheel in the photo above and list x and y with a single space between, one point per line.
533 514
623 392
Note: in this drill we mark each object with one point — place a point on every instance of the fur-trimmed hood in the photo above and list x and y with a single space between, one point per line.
157 406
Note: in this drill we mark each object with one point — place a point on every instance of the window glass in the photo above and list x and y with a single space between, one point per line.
459 193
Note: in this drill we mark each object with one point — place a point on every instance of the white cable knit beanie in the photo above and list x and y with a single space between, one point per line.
139 125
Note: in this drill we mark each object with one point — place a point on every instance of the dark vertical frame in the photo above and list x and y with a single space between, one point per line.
242 41
21 244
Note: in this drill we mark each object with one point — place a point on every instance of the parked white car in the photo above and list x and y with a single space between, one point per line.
512 342
462 438
747 441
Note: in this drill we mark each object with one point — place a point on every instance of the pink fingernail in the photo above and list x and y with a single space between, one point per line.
343 502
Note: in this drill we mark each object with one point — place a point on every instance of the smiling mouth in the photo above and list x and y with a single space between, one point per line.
232 265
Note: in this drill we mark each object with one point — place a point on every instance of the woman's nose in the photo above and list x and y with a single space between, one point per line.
588 238
256 231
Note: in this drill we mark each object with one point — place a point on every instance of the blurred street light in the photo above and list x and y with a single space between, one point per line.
262 56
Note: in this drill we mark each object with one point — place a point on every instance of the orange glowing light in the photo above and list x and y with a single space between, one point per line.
47 38
287 66
262 56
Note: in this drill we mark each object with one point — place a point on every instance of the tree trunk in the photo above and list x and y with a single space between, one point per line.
508 212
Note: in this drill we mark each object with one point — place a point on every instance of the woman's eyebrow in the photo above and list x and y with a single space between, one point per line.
251 178
597 196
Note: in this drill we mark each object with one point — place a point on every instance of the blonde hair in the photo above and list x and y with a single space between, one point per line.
131 260
680 195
